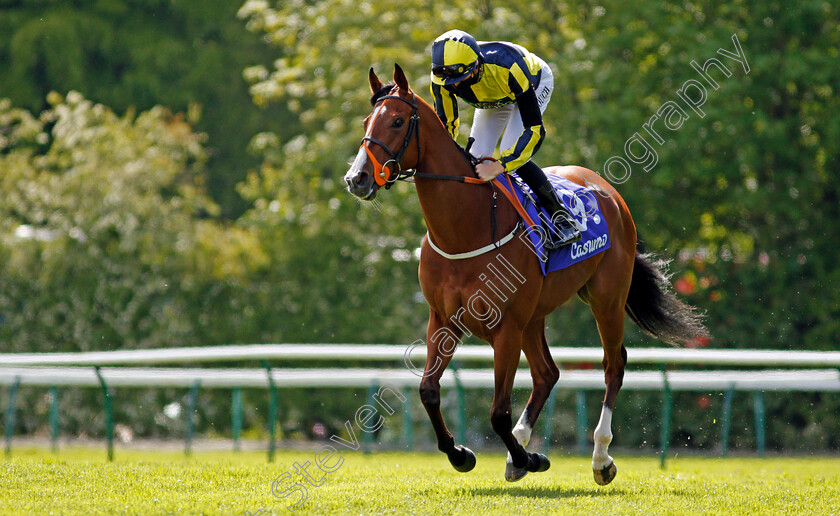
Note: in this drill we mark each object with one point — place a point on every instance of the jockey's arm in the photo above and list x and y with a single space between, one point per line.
446 107
531 136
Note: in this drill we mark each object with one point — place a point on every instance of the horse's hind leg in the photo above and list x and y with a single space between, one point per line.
610 320
441 342
545 374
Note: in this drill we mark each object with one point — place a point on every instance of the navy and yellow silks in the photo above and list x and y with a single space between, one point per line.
506 71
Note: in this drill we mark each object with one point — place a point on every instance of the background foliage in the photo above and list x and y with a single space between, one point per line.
126 224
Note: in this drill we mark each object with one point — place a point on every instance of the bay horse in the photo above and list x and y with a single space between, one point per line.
405 138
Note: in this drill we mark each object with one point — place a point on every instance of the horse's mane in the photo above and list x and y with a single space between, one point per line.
387 88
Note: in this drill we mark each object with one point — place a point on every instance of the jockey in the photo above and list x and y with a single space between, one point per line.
509 88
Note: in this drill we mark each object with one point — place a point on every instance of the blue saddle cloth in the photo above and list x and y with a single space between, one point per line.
586 216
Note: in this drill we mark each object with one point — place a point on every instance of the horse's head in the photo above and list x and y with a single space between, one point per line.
392 139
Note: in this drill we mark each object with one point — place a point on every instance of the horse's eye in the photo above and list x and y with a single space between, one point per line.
398 123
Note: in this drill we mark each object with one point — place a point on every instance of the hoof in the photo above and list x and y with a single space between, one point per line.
468 461
512 473
605 475
537 463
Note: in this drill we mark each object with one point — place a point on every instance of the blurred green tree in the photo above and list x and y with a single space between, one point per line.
741 196
106 235
127 54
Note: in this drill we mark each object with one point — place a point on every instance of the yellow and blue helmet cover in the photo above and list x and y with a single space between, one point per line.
455 55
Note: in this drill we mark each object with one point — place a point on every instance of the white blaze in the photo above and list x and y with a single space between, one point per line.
361 156
356 167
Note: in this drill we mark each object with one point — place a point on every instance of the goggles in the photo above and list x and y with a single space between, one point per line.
449 71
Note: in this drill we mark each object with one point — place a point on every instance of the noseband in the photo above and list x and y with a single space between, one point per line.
394 165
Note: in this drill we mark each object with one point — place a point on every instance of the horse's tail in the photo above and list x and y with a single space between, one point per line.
654 307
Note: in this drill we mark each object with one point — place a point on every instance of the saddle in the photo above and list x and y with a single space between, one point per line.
581 203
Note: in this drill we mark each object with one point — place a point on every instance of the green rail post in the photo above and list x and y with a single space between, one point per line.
236 416
272 410
462 404
580 426
54 418
367 437
192 400
667 400
548 421
408 420
726 420
10 415
758 409
109 415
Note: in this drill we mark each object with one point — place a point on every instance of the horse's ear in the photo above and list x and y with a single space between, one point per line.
375 83
399 78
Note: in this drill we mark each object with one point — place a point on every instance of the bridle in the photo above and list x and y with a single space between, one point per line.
394 164
396 173
387 179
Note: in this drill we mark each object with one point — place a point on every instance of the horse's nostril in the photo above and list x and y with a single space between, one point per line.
362 178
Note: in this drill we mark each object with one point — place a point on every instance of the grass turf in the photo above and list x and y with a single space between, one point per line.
81 481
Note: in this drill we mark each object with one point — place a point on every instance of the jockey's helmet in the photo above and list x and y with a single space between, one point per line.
455 55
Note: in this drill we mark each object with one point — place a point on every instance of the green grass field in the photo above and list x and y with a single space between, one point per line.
81 481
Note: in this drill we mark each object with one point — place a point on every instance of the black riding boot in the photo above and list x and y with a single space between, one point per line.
564 231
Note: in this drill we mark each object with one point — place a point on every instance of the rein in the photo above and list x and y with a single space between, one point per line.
459 179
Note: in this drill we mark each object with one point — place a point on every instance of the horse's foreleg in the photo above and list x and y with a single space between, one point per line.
545 374
506 358
611 328
440 346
